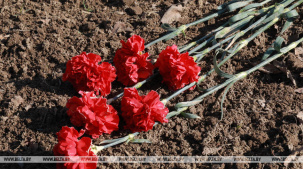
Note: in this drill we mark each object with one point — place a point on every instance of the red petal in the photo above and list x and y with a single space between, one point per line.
93 57
83 146
131 93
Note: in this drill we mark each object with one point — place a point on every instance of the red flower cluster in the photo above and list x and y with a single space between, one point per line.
85 74
177 69
93 113
141 112
69 145
132 66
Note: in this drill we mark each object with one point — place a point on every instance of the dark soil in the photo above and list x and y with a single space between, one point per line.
38 37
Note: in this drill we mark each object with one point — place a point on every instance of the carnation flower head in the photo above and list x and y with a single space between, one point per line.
132 65
69 134
141 112
93 114
85 74
177 70
69 145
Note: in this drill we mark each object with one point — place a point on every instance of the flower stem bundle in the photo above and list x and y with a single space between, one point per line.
266 23
237 22
183 106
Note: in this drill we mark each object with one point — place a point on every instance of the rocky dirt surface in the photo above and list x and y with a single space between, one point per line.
38 37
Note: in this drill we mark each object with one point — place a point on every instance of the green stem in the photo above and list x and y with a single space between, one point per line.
244 43
245 73
225 32
283 51
178 92
184 27
137 86
190 45
207 18
295 5
236 36
201 45
287 2
122 140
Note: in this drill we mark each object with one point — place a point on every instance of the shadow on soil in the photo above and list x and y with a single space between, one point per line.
46 120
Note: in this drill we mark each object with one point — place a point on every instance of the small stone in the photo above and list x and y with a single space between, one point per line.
104 51
300 117
298 51
17 100
136 10
128 2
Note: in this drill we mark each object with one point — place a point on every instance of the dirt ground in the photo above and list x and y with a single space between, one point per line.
38 37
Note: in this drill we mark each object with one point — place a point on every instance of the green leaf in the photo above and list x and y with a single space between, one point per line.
140 141
171 114
223 32
200 46
291 15
187 104
171 31
276 47
213 42
234 27
254 5
276 12
225 4
287 24
190 116
168 27
251 6
217 69
268 52
278 43
240 16
236 5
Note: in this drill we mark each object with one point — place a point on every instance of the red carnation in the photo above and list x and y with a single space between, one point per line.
85 74
177 69
132 66
141 112
93 113
69 134
69 145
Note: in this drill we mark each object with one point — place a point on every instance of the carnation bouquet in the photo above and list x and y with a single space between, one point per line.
178 67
